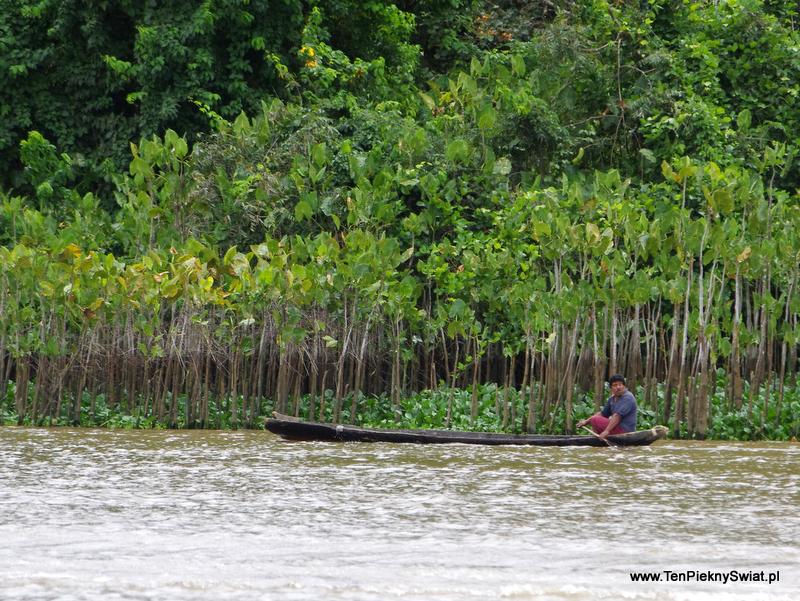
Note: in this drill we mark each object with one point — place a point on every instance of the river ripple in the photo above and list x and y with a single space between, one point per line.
94 514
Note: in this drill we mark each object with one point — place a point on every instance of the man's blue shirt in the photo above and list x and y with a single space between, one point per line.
625 406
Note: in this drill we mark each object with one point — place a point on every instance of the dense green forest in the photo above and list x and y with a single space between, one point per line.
450 213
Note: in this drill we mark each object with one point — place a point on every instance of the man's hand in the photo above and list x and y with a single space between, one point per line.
582 423
603 434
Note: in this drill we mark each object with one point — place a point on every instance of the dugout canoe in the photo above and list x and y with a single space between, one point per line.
291 428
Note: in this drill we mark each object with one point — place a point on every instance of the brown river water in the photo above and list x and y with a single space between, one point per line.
165 515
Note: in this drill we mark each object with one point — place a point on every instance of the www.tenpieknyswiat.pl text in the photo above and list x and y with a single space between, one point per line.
729 577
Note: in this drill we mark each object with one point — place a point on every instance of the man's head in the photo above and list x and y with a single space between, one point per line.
617 384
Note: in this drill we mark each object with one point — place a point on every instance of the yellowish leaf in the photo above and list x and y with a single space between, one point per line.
744 255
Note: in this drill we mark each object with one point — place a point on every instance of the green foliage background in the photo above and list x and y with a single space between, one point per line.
396 176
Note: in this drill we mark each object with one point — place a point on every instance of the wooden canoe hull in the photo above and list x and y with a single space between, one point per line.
293 429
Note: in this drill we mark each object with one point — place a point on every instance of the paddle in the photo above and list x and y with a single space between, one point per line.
596 436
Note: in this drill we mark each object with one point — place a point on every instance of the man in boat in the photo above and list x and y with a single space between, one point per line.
618 415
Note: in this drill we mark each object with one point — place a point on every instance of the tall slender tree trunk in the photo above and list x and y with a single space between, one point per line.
530 423
682 375
598 351
736 391
451 391
23 367
204 412
175 391
282 385
473 406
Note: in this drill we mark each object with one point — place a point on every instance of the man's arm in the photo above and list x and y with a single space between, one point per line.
583 422
612 423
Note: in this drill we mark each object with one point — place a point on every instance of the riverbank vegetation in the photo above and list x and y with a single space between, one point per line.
420 214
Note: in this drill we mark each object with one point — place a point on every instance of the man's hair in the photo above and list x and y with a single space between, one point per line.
616 378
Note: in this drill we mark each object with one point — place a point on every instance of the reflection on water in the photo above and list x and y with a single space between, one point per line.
88 514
